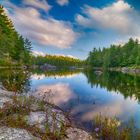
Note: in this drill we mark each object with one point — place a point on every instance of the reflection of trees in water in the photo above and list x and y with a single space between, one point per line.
61 72
15 80
128 85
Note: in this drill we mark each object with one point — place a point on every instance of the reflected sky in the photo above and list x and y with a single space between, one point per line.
74 94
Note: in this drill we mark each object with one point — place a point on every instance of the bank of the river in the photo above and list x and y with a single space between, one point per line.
31 118
127 70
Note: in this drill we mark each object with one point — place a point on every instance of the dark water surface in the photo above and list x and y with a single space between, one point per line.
83 94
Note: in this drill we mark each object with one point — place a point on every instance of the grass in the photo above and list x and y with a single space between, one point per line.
112 129
13 115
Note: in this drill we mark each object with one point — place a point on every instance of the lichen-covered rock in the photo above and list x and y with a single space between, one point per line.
77 134
5 96
51 119
4 100
15 134
4 92
38 119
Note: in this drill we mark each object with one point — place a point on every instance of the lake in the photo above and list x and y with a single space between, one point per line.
84 94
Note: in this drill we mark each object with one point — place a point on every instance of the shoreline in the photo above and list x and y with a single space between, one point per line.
34 115
125 70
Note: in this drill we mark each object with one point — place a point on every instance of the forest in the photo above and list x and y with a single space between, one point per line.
126 55
59 61
14 49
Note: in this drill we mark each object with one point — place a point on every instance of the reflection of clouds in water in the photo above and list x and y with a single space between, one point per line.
57 93
65 76
132 98
119 108
37 77
42 76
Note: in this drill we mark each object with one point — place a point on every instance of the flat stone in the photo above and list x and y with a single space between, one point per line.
15 134
77 134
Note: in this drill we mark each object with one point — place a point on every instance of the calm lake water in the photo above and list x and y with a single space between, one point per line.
83 94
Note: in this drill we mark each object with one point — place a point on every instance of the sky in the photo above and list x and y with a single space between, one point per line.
74 27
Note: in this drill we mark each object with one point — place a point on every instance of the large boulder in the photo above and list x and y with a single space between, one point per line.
15 134
77 134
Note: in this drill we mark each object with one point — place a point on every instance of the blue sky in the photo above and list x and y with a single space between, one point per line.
74 27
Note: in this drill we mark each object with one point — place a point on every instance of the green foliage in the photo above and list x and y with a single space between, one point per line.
59 61
116 56
16 81
112 129
14 115
127 85
14 49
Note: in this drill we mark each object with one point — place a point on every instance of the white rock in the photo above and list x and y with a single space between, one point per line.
37 118
4 100
15 134
77 134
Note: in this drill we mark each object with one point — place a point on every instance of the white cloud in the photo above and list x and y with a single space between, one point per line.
38 53
41 4
62 2
48 32
119 17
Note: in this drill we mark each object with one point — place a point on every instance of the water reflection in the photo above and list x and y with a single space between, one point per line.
84 94
57 74
128 85
87 94
57 94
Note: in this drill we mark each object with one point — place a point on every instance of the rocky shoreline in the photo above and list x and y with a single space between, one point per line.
126 70
31 118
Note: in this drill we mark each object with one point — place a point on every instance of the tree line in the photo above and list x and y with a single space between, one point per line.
126 55
59 61
14 49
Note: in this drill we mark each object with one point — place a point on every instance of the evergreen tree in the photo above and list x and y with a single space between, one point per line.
13 48
116 56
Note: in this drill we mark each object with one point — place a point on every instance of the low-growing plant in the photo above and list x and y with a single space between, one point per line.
112 129
13 114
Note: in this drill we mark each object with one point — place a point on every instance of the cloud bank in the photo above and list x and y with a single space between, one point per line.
119 17
43 31
41 4
62 2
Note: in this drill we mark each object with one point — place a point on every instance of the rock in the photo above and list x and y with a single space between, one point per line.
15 134
77 134
4 100
4 92
38 119
125 70
5 96
137 71
48 67
97 72
52 118
130 70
